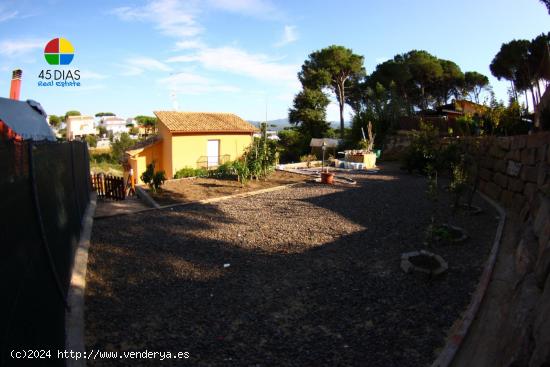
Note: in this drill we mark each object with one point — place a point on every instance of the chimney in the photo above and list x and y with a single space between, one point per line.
15 88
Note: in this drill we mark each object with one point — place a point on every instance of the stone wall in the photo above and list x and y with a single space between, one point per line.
395 145
516 172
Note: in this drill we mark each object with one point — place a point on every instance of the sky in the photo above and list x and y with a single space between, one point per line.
239 56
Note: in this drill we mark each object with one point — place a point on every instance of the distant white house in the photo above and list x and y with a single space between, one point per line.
116 125
270 134
79 126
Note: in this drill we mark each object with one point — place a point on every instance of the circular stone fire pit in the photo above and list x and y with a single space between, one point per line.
423 262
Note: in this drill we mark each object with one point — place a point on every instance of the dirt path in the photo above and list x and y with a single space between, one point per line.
313 279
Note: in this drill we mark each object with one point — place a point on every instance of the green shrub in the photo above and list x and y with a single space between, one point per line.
423 149
191 172
241 169
158 179
223 171
147 175
102 158
153 179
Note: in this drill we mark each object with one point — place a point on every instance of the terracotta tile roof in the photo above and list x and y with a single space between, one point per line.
199 122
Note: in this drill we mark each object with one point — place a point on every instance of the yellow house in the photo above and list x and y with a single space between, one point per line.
191 139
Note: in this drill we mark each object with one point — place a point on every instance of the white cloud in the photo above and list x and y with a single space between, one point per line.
188 83
7 15
189 45
257 8
237 61
137 65
173 18
380 60
289 36
20 47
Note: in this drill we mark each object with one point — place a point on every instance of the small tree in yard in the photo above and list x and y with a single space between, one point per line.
153 179
261 156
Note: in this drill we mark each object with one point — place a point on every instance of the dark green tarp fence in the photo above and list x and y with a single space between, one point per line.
44 192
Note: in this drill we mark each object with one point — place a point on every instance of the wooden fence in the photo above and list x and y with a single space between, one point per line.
107 186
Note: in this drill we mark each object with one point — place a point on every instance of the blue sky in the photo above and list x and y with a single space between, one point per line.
237 55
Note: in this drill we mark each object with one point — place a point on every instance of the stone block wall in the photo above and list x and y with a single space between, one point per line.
516 172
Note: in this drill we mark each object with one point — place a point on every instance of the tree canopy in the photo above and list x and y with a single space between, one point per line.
309 112
332 67
149 123
523 63
547 3
474 83
102 114
54 120
71 113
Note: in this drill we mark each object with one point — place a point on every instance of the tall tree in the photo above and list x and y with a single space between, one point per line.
547 3
332 67
309 112
474 83
54 120
450 82
425 70
71 113
149 123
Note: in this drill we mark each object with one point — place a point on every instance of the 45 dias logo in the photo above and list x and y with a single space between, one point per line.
59 51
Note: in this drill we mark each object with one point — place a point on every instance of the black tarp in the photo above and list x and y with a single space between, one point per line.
44 189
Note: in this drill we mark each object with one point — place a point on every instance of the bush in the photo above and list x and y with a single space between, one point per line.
153 179
241 170
423 149
147 175
120 146
191 172
91 140
102 158
158 180
308 158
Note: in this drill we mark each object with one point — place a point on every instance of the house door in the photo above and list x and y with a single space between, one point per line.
213 152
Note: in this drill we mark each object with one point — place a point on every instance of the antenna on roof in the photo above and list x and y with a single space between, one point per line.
266 101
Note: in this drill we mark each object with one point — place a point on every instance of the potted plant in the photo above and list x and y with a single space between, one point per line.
326 176
367 146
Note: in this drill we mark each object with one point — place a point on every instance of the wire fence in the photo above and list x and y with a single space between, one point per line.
44 190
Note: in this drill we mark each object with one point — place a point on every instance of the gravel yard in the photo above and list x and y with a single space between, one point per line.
314 278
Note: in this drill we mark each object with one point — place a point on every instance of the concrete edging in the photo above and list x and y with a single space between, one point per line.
143 195
74 317
454 340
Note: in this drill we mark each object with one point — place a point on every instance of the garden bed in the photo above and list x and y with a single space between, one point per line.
194 189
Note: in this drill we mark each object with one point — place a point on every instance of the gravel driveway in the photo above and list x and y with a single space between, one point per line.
313 280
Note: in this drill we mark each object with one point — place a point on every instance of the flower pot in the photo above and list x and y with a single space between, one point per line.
327 178
369 160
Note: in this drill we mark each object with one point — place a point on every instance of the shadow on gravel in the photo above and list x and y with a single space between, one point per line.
157 281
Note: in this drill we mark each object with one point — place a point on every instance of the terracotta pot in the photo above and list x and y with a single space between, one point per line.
327 178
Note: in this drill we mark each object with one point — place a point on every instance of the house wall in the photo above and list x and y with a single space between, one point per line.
166 137
188 149
80 127
150 154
